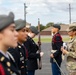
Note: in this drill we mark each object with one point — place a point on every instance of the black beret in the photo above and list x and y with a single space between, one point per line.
20 24
34 29
57 26
6 20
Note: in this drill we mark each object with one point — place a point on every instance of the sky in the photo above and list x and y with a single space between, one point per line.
56 11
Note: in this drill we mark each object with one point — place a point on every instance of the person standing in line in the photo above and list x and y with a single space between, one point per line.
32 48
20 53
8 38
71 50
56 54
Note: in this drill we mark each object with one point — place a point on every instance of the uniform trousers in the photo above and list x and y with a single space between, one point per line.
55 69
31 72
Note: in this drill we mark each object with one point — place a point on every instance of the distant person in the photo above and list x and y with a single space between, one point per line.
56 54
8 38
32 48
71 50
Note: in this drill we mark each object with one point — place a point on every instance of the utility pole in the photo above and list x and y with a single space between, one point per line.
25 11
69 13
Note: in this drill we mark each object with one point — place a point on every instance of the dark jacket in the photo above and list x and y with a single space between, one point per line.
56 45
32 54
7 66
19 55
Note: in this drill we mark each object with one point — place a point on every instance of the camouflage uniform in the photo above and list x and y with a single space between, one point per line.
71 57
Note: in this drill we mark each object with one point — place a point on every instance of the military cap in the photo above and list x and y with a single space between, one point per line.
57 26
6 20
71 28
20 24
72 24
34 29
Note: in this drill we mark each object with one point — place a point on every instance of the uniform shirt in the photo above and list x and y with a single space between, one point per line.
19 55
71 56
32 54
56 45
7 66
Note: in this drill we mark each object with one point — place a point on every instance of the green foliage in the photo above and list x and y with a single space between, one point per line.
49 24
41 27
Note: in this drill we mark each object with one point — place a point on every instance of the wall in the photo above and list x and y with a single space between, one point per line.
49 33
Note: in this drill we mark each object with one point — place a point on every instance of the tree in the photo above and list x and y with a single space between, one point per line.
41 27
49 24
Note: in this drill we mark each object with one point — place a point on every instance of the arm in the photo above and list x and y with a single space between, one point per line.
33 48
71 51
34 55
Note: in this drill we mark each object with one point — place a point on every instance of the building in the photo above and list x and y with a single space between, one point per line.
63 31
28 24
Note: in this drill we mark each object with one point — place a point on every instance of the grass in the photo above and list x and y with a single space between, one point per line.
66 39
48 39
43 40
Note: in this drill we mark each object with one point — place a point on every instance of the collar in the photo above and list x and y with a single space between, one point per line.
5 54
56 33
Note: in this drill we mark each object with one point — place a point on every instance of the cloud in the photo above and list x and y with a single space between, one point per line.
45 9
59 1
1 1
38 6
13 5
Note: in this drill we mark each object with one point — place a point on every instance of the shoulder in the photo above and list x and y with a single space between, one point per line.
14 51
58 35
57 38
11 50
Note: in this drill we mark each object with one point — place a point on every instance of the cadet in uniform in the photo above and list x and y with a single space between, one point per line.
20 53
32 51
8 38
56 53
71 53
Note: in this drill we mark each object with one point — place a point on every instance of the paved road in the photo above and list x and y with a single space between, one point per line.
46 66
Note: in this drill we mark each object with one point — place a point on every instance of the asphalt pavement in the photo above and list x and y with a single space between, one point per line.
46 65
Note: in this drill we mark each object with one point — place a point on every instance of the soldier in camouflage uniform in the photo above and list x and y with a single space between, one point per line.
71 51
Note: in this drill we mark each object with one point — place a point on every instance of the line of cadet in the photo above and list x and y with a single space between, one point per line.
18 51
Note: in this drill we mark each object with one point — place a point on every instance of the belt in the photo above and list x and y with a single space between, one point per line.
53 51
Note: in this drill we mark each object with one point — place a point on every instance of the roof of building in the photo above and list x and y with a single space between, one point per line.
63 28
